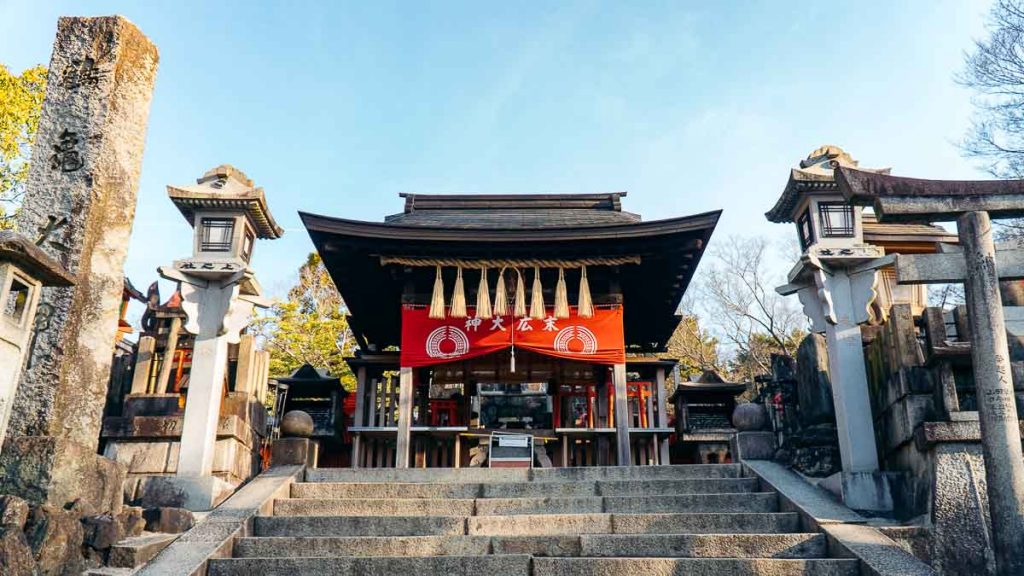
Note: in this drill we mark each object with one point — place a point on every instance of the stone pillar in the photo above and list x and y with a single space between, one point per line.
80 204
621 415
165 367
405 394
849 381
246 371
143 365
997 410
206 380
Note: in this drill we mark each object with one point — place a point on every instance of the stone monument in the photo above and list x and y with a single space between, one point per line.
219 291
78 208
835 280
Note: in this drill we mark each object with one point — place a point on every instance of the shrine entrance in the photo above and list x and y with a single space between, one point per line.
567 406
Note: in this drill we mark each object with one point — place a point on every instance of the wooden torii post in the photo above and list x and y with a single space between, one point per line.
980 268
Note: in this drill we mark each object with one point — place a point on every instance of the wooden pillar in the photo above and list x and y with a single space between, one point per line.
246 370
663 453
360 415
165 367
143 365
621 415
997 409
405 398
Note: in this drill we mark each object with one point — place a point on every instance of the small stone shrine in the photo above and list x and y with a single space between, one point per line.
322 397
703 408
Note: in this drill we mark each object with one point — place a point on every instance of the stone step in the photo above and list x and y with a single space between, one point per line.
506 565
326 490
374 507
735 502
693 567
683 523
754 502
678 472
358 525
494 475
467 475
680 486
600 545
527 525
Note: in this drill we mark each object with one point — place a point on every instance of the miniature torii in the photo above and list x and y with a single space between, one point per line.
980 268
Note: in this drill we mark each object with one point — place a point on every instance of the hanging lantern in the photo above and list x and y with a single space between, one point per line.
437 299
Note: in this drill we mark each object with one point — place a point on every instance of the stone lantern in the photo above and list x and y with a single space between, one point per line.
219 290
835 280
24 270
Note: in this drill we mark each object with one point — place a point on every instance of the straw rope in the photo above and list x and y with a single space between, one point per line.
510 263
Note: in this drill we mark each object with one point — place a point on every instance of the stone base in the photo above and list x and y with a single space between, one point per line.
753 446
151 405
195 493
861 491
291 451
149 445
47 470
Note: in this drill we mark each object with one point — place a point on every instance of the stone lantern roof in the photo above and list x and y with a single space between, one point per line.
226 188
816 173
33 260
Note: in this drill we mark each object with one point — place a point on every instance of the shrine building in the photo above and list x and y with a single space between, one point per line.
539 316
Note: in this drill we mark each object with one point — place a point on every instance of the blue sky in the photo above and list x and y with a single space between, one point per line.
336 107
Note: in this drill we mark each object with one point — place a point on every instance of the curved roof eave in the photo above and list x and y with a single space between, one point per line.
358 228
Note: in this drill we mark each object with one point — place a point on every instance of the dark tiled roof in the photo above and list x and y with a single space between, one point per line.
512 211
564 218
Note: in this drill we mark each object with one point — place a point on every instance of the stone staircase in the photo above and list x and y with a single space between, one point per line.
693 520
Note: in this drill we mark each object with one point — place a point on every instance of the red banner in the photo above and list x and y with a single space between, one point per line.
597 340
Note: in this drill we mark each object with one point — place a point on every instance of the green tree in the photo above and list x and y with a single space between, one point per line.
309 327
21 102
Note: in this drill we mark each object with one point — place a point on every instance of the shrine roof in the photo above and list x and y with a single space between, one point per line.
527 211
33 260
548 226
